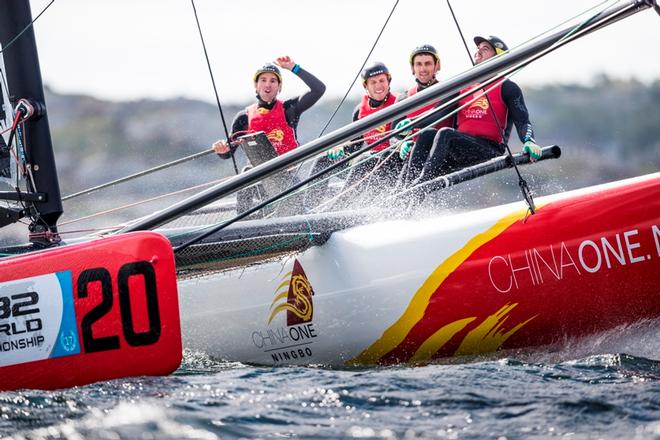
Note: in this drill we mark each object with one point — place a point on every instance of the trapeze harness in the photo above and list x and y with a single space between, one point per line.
379 132
477 119
447 122
273 123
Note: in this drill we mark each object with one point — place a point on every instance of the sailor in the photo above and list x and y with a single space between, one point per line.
278 119
483 124
376 79
424 63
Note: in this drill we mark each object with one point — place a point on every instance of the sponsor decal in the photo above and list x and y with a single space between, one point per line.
556 262
478 109
275 135
568 271
37 319
263 110
293 303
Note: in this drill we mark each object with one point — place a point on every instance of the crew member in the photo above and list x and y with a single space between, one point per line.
278 119
483 124
425 64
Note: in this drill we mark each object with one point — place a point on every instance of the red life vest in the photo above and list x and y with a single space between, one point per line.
446 123
477 118
376 133
273 123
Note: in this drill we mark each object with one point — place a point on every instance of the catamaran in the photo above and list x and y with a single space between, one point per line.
275 286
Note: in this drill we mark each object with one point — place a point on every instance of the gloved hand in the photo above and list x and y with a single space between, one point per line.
532 148
405 148
336 153
404 123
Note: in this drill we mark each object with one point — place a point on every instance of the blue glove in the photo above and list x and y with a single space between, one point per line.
404 123
336 153
532 148
405 148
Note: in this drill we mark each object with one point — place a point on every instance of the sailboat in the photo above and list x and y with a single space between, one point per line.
333 288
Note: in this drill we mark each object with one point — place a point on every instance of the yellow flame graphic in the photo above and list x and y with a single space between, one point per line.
488 336
438 339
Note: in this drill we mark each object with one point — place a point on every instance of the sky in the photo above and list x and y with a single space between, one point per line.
134 49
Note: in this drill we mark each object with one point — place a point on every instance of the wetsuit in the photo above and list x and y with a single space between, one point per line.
315 194
424 141
389 164
454 149
293 107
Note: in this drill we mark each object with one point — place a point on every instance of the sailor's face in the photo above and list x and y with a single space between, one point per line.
484 52
378 87
425 67
267 86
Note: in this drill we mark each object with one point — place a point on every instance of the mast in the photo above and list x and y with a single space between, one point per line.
24 82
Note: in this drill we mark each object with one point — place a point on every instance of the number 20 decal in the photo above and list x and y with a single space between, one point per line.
133 338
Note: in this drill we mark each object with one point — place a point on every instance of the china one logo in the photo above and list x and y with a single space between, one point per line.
481 103
275 135
294 296
381 129
262 110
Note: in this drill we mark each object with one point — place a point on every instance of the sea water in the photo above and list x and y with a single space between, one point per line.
606 386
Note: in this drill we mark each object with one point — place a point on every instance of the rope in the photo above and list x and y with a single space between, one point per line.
138 174
215 89
141 202
360 70
13 40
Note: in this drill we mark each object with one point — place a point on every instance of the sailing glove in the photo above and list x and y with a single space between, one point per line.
336 153
405 148
530 147
404 123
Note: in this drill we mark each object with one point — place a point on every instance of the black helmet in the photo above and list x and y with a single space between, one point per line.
374 69
498 44
424 48
268 68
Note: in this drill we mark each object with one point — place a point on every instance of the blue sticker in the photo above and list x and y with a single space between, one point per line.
67 339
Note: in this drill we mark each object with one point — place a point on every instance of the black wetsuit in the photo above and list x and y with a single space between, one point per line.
316 193
293 107
424 141
453 150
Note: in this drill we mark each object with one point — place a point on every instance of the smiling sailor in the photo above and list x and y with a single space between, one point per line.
278 119
484 122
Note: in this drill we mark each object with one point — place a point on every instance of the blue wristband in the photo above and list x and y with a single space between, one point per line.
296 68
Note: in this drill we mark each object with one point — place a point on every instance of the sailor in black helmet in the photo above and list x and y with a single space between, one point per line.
278 119
376 79
483 124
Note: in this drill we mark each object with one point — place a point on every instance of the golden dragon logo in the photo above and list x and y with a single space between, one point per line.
294 295
275 135
481 103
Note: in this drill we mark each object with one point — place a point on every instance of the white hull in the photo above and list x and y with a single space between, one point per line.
364 279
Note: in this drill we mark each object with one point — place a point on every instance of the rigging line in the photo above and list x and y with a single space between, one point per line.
26 27
215 89
138 174
360 70
141 202
524 188
212 229
327 124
